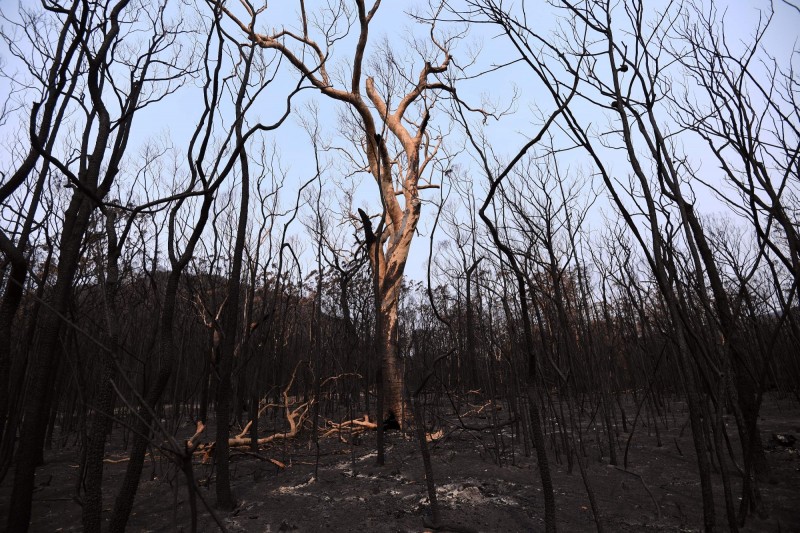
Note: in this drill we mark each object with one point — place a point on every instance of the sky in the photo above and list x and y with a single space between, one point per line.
176 116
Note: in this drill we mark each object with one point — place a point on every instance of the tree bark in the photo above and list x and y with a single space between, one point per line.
391 363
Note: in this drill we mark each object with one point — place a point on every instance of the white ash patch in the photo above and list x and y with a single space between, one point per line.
506 500
459 493
471 493
348 465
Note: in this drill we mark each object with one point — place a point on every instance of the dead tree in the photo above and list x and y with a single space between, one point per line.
209 168
89 46
379 119
561 95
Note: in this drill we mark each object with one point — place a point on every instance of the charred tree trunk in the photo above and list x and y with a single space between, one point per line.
44 364
104 405
230 317
123 505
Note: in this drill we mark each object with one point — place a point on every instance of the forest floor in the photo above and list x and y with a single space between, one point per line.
659 491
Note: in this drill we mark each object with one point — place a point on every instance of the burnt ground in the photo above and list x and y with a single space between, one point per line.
659 492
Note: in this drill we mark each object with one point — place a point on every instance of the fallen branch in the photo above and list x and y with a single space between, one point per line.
194 441
116 461
478 409
436 435
277 463
355 425
295 417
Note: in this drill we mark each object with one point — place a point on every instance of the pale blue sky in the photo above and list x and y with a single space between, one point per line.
176 116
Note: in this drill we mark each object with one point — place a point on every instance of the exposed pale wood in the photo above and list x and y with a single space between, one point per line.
194 441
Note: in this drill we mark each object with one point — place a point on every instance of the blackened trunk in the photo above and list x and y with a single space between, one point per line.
104 405
44 365
130 484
